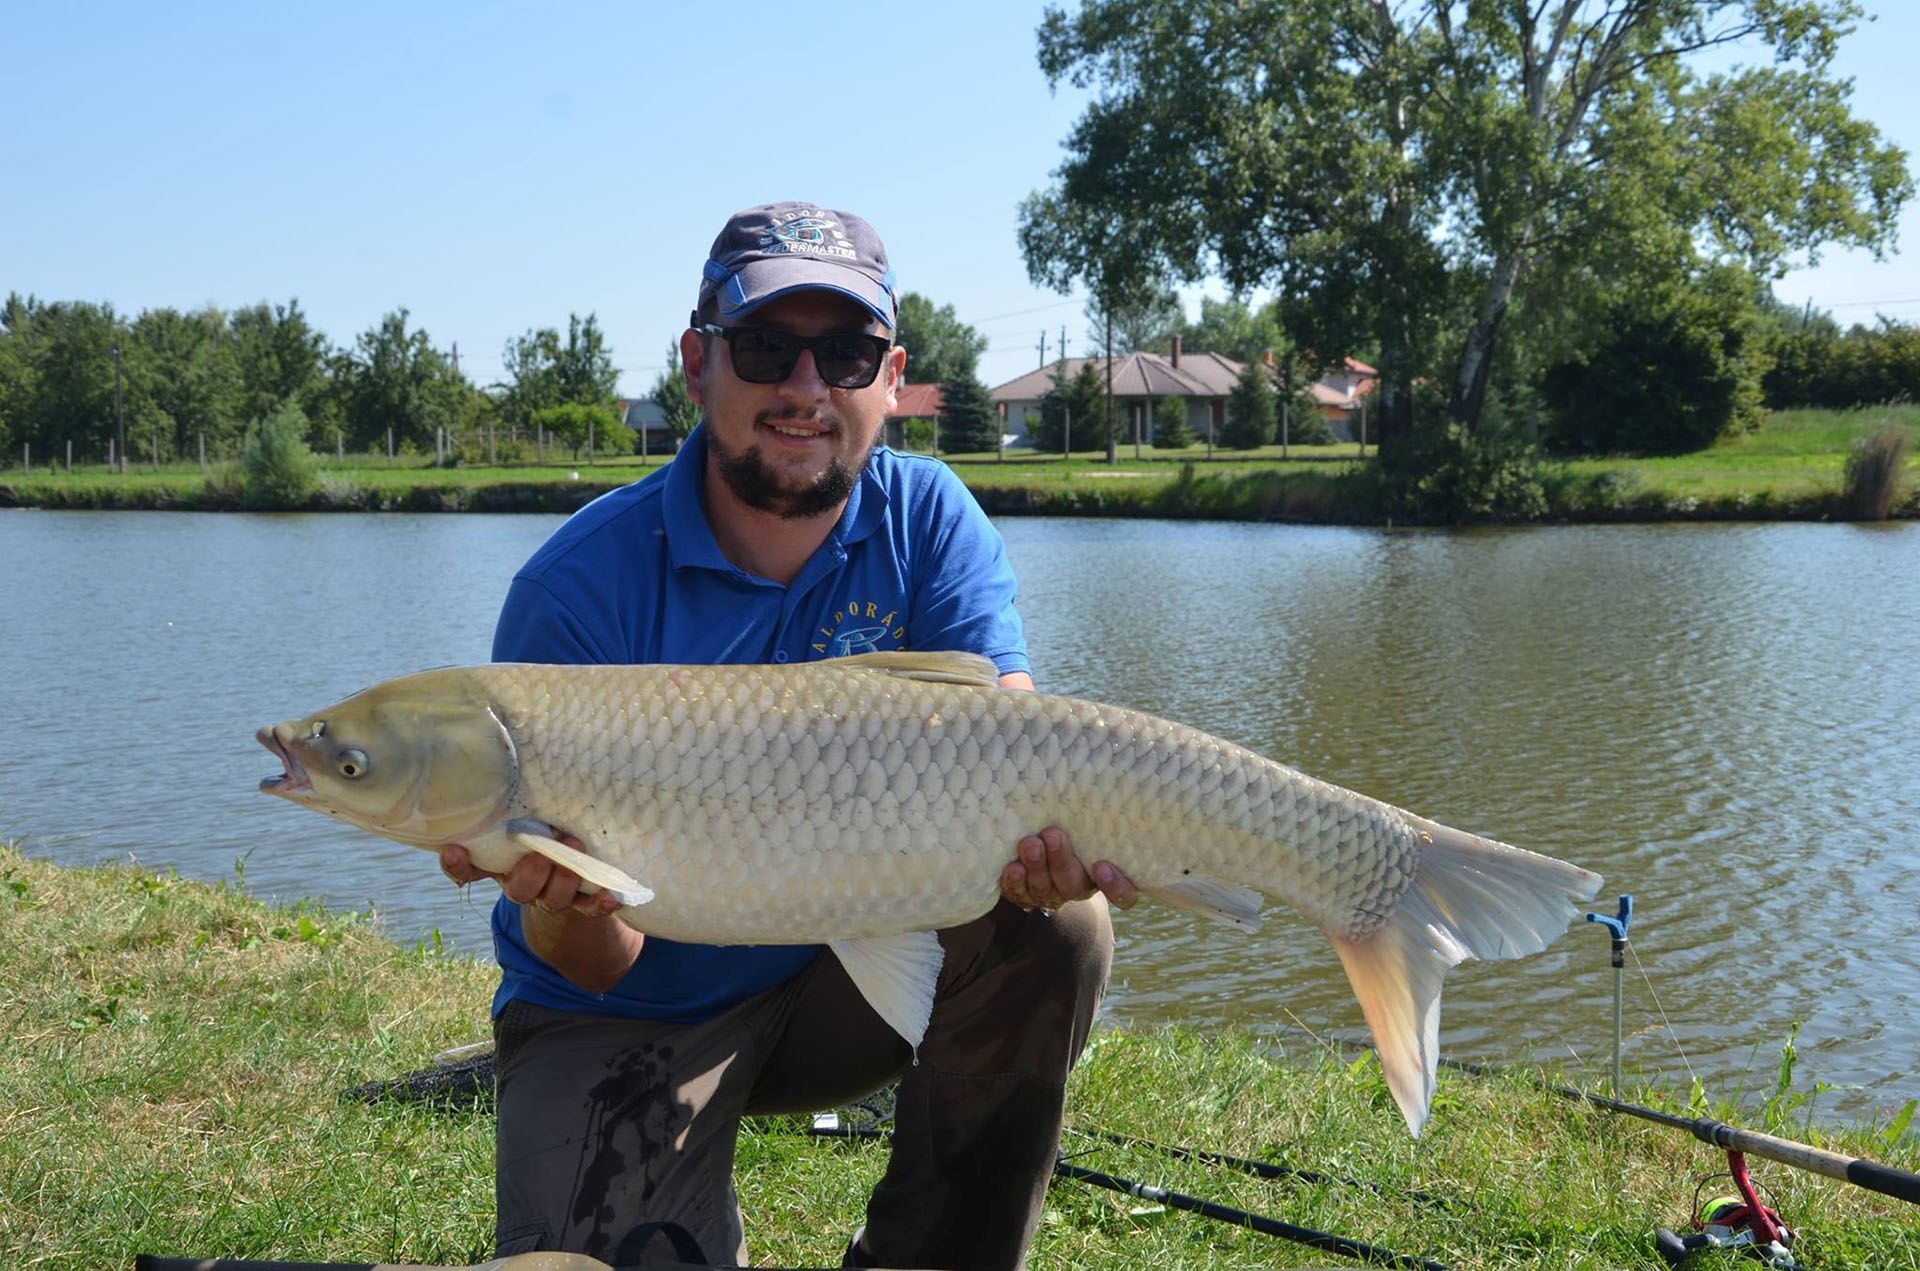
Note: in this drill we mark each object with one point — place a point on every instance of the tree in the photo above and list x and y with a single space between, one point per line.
278 357
547 371
940 348
1404 176
1144 319
277 469
1170 431
396 379
1251 411
1233 329
1077 403
190 387
573 423
670 392
968 420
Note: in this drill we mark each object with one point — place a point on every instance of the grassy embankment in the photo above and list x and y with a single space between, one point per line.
176 1054
1790 469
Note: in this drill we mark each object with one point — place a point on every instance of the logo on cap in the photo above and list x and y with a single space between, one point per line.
810 232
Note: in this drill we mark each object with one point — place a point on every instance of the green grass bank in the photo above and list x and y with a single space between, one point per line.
1791 469
176 1054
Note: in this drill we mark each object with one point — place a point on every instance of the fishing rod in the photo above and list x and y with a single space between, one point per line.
1327 1242
1262 1169
1885 1179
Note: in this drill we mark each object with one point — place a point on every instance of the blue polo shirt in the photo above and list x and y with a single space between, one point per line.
636 576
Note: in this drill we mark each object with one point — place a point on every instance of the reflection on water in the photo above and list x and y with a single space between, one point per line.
1719 718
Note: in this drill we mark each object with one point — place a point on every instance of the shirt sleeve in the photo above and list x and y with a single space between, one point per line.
965 599
537 626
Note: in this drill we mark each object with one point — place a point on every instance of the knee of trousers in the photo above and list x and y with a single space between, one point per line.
1069 951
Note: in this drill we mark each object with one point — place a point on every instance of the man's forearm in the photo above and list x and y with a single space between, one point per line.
591 952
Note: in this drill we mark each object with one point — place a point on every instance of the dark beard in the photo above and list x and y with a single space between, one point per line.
755 484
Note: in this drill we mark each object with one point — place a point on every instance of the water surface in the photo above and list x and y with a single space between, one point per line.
1719 718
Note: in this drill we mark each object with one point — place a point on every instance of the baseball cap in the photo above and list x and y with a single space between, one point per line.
770 250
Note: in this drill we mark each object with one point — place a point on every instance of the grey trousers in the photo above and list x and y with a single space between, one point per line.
607 1125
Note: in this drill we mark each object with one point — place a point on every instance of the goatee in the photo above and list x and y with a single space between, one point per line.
756 484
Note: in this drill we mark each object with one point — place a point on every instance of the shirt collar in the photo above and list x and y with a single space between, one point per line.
690 541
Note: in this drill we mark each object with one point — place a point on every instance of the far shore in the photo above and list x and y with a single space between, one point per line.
1789 470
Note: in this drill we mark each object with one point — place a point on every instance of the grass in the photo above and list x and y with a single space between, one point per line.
1792 468
177 1051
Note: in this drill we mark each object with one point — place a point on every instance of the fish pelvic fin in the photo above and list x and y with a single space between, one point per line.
598 874
1210 897
897 975
1470 898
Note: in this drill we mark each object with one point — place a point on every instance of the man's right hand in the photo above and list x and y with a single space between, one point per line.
573 931
533 880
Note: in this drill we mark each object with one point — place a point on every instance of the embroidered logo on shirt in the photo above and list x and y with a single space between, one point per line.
861 627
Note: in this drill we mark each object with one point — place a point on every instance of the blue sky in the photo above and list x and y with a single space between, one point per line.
494 168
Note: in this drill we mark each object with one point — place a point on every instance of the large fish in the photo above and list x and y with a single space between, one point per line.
865 802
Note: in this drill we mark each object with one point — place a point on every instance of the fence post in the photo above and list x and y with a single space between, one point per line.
69 454
26 457
389 447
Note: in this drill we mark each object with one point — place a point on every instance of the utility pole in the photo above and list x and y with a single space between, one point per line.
119 413
1043 347
456 359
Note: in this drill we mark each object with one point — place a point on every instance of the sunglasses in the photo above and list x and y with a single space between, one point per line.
763 355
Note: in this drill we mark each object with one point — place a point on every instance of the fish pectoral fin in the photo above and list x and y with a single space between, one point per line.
940 668
604 877
896 974
1211 897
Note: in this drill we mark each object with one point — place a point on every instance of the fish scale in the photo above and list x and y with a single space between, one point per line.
866 802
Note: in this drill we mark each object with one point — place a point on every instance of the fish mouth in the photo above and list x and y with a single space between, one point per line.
294 780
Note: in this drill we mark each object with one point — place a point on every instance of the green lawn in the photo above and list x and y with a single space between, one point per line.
176 1056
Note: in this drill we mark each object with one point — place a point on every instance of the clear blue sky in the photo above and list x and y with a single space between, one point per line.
496 167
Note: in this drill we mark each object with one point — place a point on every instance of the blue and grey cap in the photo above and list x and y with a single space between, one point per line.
770 250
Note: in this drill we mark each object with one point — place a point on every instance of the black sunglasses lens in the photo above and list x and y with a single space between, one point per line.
846 361
763 356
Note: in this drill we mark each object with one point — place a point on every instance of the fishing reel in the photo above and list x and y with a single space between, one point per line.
1741 1223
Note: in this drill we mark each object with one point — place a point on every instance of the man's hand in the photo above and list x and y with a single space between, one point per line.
1045 874
533 880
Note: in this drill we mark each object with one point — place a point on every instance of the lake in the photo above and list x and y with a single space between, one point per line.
1719 718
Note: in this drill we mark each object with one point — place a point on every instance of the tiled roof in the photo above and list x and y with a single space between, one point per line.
916 401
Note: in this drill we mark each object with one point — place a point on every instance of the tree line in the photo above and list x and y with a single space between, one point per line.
76 375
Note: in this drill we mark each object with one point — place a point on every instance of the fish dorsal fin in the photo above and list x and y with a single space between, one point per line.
940 668
896 974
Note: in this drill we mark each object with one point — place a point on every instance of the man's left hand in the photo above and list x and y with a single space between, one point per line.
1045 874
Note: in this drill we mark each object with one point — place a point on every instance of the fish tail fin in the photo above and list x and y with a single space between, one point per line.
1470 898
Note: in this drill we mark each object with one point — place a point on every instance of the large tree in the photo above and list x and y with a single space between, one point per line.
279 356
940 348
546 370
1404 175
670 392
395 378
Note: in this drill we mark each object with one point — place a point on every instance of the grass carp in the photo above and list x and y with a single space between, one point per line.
866 802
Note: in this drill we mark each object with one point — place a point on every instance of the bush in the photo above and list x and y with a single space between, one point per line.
917 434
1671 374
277 467
1875 467
1170 431
1448 474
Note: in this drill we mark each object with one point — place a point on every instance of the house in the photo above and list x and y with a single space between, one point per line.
1204 380
649 424
1140 380
911 401
1342 395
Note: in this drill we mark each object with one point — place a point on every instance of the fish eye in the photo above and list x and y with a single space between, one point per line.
352 763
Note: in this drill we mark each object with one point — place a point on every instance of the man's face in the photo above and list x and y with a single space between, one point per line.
794 448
